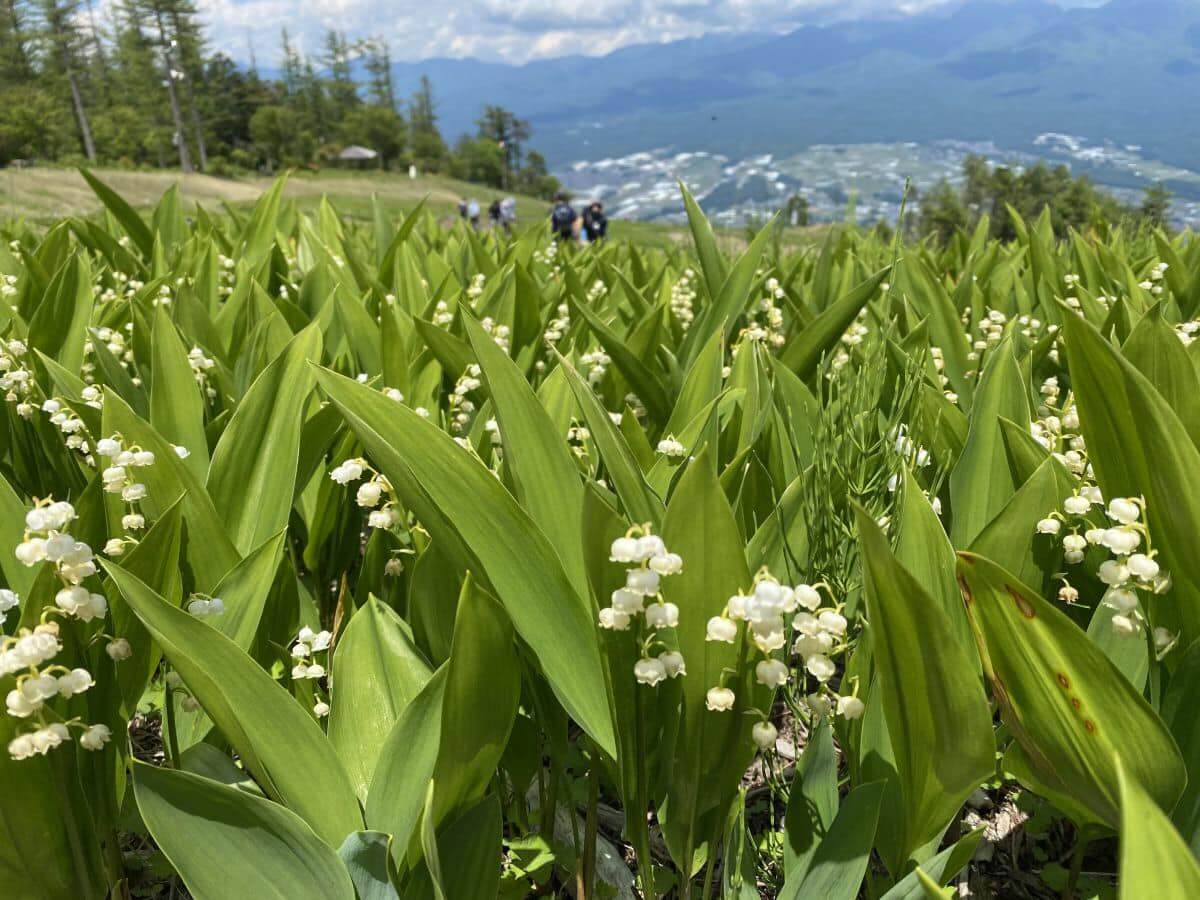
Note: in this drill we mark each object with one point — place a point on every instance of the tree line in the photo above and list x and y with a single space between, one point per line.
139 85
1075 203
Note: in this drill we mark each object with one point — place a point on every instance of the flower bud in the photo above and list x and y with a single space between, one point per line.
765 734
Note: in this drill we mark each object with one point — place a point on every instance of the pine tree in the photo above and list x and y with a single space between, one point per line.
428 149
378 61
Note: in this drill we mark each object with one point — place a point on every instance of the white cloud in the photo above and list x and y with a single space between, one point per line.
516 30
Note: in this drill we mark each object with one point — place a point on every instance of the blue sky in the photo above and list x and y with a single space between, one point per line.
519 30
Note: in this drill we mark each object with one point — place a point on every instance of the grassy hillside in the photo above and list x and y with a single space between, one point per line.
47 193
42 195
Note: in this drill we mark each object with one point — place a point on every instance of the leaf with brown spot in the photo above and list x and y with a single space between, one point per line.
1071 710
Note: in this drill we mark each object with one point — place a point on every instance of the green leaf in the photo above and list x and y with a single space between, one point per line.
1155 860
1139 447
405 764
840 862
980 484
276 738
700 527
253 469
1178 711
541 466
813 803
367 857
936 711
939 869
641 504
133 224
377 673
804 351
483 688
176 403
455 496
218 837
1070 710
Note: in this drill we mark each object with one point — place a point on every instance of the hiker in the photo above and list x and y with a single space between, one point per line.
595 223
473 212
462 208
508 213
563 218
494 214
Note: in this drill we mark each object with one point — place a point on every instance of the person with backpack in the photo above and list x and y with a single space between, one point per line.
562 218
595 223
494 214
473 213
508 213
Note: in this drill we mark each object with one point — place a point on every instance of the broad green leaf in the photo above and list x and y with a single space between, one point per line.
940 869
483 688
536 455
377 672
639 501
813 803
456 496
700 527
1154 860
1139 447
133 223
1068 707
1178 711
367 857
275 737
980 484
841 858
405 765
253 467
804 351
218 837
176 402
936 711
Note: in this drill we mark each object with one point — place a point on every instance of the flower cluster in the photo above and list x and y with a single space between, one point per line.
15 380
1130 569
201 365
670 446
557 327
683 296
461 405
819 634
120 477
374 494
442 316
26 653
1153 284
595 363
475 289
497 331
766 321
308 644
651 561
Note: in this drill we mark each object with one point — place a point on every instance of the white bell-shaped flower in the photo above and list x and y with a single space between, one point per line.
721 629
773 673
719 699
649 671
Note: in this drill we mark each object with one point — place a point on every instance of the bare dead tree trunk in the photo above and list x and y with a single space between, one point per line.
193 110
85 129
185 154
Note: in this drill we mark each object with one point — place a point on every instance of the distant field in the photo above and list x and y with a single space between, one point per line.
45 194
49 193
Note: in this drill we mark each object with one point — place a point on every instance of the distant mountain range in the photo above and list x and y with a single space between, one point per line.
979 71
